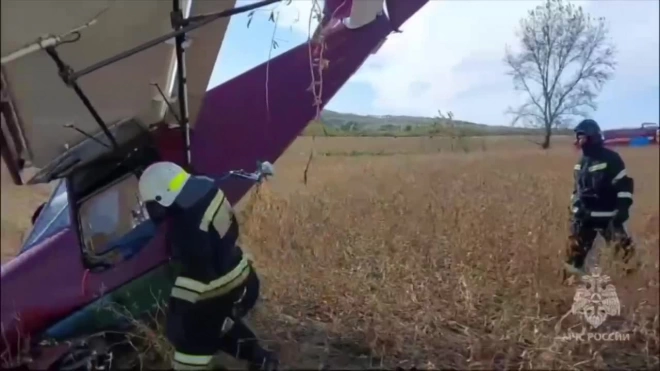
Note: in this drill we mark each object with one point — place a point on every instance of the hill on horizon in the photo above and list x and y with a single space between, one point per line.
350 124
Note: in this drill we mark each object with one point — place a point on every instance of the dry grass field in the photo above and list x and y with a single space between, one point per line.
404 252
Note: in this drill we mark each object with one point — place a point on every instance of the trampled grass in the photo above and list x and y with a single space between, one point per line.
438 258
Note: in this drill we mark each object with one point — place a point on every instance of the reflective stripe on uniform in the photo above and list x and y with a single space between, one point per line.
184 294
597 214
602 214
183 361
624 195
219 213
619 176
577 167
598 167
193 291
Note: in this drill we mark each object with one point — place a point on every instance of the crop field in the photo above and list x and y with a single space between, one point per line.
430 253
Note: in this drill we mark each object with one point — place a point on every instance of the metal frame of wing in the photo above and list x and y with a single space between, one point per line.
180 25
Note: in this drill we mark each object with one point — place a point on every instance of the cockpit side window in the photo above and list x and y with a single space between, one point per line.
110 214
54 217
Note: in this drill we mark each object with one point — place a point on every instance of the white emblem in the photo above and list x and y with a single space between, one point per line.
596 299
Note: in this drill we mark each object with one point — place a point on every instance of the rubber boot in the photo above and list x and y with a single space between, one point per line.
576 256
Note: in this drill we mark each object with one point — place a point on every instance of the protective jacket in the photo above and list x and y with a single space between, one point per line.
203 239
602 187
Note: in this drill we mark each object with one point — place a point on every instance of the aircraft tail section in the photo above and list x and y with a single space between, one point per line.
258 114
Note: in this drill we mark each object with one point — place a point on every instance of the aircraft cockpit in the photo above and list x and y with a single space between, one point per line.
98 197
113 223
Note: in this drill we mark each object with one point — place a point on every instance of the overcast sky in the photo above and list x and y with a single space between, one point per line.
449 57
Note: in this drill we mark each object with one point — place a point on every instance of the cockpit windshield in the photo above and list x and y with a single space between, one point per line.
53 218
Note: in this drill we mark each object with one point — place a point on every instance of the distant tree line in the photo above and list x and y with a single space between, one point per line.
441 127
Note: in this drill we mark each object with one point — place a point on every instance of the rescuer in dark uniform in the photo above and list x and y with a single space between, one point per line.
601 199
217 285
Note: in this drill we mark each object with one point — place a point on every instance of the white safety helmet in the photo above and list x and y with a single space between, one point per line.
162 182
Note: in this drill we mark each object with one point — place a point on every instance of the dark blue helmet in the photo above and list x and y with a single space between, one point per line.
588 128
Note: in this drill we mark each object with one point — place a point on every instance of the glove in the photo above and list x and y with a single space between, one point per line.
621 216
581 213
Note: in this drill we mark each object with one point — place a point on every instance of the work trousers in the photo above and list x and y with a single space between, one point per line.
198 331
584 232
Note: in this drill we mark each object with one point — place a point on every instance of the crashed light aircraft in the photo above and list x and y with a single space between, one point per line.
93 94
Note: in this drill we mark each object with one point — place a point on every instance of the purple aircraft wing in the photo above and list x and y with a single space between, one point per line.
240 123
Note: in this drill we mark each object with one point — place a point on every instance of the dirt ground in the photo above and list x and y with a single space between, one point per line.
423 252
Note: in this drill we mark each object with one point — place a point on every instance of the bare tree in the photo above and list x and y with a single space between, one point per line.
564 60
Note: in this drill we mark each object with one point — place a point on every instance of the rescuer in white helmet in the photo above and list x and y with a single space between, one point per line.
217 285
